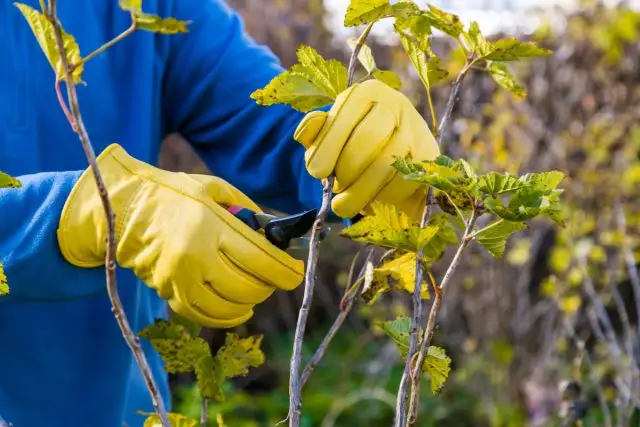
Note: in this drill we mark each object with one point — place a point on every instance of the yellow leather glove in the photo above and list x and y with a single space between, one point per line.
357 139
174 234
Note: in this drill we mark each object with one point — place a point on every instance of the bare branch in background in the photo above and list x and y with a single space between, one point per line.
110 261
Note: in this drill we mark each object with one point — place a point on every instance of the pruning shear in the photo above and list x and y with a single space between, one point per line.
287 232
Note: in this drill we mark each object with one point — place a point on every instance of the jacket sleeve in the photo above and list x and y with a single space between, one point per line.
211 72
32 261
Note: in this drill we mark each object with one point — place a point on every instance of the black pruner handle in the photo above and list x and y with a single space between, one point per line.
280 231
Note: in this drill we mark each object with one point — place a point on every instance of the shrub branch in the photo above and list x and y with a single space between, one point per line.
295 387
75 116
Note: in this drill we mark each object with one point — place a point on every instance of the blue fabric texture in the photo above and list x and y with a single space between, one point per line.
63 361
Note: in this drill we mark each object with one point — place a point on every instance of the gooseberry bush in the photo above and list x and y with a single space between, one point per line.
463 205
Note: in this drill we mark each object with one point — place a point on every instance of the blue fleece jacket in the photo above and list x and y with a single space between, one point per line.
63 361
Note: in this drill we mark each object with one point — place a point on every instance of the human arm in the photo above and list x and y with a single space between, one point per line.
34 266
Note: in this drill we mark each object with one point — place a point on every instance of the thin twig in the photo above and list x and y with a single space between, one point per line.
451 102
132 28
295 388
110 259
629 259
403 390
337 324
204 412
295 399
433 316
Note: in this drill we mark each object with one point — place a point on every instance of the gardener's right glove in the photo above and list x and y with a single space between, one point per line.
174 232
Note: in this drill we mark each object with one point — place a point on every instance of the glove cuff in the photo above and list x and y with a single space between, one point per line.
82 231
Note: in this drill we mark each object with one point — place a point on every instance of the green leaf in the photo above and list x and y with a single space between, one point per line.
209 378
544 182
396 274
239 354
43 30
428 69
419 26
437 365
446 235
389 78
361 12
448 23
178 349
131 5
183 352
156 24
478 44
505 79
175 420
4 285
399 331
313 83
365 11
495 183
7 181
512 49
494 236
441 174
390 228
365 56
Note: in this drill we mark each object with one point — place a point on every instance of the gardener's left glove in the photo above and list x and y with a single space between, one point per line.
357 139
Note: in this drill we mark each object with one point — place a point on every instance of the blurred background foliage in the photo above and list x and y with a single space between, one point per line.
550 330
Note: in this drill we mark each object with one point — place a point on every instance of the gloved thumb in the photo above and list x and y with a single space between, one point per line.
309 128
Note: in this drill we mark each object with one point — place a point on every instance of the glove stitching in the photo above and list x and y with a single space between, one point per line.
233 263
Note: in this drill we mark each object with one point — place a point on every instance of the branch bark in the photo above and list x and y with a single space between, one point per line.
347 305
295 387
433 317
110 260
403 390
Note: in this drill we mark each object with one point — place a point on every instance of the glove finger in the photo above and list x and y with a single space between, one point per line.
187 311
397 191
223 193
373 179
413 205
309 128
370 138
350 108
238 285
257 257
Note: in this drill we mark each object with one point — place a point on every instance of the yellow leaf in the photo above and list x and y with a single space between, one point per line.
156 24
238 354
4 286
175 420
312 83
437 365
429 70
43 30
365 56
390 228
504 78
132 5
7 181
570 304
364 11
398 273
389 78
